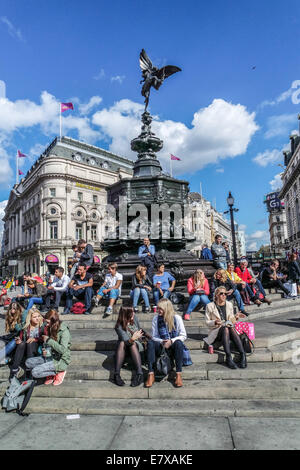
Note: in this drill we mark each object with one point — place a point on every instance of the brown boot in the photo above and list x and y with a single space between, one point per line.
267 300
150 380
257 302
178 380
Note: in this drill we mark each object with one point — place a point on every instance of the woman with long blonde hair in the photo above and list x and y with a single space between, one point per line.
220 279
198 288
220 319
29 339
168 331
56 351
141 285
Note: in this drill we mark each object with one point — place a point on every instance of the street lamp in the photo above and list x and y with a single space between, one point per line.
230 202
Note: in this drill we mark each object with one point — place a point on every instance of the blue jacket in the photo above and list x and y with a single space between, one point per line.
143 250
206 254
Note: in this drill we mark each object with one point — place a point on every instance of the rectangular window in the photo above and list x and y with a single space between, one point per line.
53 230
94 232
52 192
80 197
95 199
78 234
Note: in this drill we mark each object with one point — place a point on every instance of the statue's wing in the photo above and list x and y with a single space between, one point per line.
166 71
145 62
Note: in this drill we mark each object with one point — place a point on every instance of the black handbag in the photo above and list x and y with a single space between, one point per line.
7 338
247 343
163 363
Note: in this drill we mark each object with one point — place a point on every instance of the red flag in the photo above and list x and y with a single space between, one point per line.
21 172
65 106
21 154
174 158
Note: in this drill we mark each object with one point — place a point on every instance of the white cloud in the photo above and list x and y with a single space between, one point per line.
221 130
13 31
118 78
2 213
258 234
256 239
2 89
280 125
26 114
268 157
220 170
292 93
100 75
242 227
252 246
85 108
276 182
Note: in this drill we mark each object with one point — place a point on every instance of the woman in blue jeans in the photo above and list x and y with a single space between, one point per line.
38 291
141 285
198 288
161 282
14 321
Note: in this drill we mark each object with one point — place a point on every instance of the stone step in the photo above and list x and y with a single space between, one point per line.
100 310
197 318
210 371
174 407
88 358
165 390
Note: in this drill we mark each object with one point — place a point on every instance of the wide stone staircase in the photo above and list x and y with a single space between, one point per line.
270 386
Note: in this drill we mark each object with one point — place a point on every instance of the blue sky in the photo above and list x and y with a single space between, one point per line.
227 115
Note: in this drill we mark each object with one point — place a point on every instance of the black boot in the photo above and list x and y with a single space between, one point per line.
118 381
243 361
137 380
229 362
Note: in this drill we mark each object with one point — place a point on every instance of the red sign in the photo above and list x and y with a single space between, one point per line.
51 259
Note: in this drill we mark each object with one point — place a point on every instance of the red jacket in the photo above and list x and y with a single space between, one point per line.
191 286
244 275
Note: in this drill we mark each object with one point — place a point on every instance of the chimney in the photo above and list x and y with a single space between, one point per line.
292 144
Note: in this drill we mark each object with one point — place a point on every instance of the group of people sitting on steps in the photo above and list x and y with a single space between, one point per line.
40 344
44 342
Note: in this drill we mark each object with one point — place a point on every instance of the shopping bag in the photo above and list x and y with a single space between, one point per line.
245 327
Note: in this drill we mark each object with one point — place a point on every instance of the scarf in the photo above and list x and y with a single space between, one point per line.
163 330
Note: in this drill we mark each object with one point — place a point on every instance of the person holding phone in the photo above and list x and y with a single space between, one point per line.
129 344
220 319
198 288
168 331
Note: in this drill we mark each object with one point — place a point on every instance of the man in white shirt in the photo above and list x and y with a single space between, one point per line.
57 287
111 288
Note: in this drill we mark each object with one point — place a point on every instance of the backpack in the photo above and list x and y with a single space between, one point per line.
17 395
78 308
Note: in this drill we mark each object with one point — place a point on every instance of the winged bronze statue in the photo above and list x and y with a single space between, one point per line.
152 76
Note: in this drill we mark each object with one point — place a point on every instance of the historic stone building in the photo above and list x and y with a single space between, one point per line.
290 192
206 222
61 199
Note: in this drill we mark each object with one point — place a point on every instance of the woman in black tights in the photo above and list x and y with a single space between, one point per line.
221 319
129 333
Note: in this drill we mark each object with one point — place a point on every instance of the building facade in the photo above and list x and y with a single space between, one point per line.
205 223
61 199
290 193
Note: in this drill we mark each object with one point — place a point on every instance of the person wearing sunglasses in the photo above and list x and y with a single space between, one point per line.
220 319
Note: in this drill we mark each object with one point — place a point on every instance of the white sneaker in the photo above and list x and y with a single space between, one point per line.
108 311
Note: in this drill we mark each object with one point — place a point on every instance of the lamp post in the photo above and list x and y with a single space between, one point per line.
230 202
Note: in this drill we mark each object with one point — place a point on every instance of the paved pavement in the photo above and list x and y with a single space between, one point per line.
57 432
103 432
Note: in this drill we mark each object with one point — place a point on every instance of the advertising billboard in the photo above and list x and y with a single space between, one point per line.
273 202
